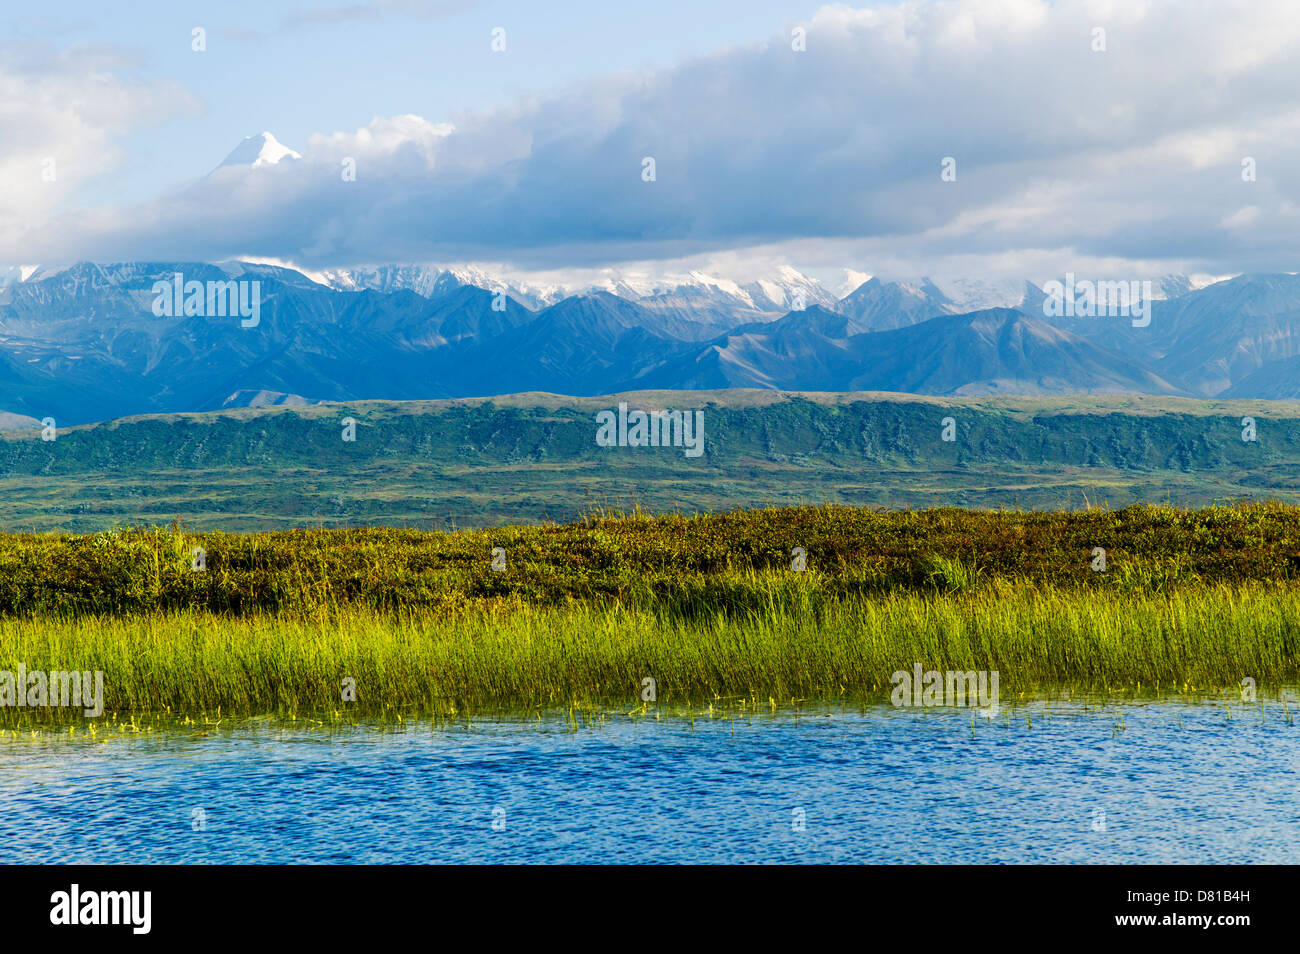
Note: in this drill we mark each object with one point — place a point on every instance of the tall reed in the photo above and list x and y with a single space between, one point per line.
793 644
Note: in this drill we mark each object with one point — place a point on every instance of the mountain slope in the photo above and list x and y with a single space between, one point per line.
1217 338
806 350
582 345
999 351
996 351
1210 339
1275 381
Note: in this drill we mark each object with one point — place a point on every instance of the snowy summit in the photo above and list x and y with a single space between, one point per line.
260 150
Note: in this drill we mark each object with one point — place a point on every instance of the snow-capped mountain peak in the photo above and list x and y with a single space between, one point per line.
695 291
257 151
977 294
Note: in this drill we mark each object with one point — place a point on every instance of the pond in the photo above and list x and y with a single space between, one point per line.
1143 782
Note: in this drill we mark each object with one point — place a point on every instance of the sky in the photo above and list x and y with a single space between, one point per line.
968 138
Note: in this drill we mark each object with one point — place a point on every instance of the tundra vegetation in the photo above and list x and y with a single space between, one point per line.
392 624
441 465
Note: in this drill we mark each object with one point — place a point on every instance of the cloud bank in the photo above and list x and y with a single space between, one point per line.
1068 144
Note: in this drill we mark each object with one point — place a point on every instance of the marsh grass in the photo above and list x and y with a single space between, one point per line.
789 642
707 606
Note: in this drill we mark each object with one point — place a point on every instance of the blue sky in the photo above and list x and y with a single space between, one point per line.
1109 139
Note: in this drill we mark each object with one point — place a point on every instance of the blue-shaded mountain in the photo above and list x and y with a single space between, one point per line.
1000 351
581 345
802 351
997 351
1220 340
1275 381
82 344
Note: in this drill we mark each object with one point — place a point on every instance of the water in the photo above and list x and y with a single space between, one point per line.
1177 783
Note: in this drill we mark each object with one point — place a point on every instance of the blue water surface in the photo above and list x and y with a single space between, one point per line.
1154 782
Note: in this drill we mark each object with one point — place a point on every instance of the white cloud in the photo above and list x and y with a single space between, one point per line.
382 138
62 115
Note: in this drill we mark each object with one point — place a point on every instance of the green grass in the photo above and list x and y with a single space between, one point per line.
203 666
708 607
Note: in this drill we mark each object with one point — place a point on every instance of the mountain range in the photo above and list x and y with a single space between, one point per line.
83 344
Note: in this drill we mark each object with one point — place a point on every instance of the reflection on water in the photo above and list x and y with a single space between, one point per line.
1152 783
